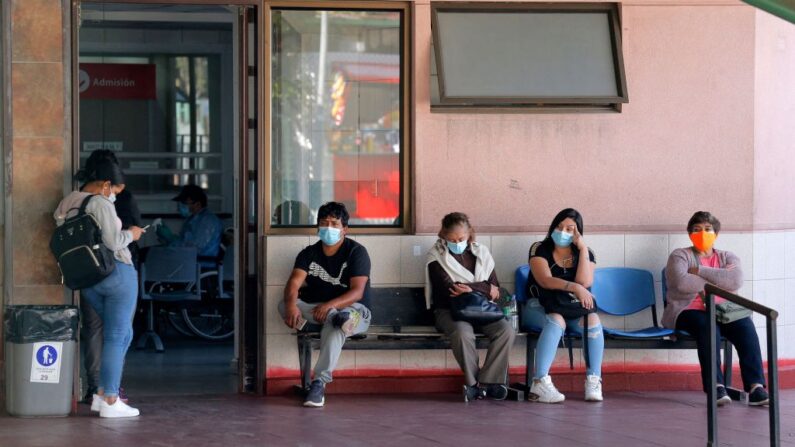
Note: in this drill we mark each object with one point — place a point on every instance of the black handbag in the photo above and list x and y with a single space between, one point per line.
475 309
559 302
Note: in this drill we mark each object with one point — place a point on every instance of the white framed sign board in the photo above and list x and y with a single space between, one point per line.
45 364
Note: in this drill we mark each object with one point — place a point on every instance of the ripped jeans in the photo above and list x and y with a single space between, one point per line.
534 317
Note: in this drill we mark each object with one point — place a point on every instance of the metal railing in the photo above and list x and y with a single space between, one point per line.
772 363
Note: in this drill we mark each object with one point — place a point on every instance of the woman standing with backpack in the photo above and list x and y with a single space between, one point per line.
90 324
113 298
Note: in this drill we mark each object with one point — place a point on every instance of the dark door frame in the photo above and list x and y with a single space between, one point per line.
249 14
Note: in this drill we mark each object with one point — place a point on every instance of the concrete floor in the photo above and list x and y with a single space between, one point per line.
187 398
675 419
189 366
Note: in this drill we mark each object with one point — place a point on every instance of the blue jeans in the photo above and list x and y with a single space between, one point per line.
114 300
740 333
534 318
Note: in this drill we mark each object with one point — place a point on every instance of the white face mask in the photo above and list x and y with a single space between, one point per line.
112 195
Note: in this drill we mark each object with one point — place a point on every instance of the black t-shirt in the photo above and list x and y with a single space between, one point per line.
127 209
330 276
129 214
542 250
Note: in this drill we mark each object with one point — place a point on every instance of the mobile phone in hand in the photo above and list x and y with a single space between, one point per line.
300 325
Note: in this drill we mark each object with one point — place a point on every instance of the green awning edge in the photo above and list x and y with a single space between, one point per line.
784 9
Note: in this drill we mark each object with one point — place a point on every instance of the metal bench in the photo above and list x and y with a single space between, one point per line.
400 320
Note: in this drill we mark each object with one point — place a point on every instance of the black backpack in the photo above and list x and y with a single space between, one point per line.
77 245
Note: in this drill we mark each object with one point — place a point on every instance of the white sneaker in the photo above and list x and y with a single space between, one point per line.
593 389
95 403
542 390
118 410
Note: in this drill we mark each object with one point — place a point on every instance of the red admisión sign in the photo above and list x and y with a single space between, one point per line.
117 81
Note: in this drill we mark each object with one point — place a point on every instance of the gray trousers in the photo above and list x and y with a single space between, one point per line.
331 338
91 339
462 341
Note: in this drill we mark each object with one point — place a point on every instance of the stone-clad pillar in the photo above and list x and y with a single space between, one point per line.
40 133
35 141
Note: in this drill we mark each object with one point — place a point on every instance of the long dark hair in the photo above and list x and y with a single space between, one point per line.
453 220
560 217
99 155
102 170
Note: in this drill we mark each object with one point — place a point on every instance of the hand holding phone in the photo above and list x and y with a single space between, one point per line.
300 325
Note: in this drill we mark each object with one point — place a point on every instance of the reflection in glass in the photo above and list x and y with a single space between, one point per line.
336 123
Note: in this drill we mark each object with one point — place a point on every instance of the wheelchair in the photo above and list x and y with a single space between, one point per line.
195 293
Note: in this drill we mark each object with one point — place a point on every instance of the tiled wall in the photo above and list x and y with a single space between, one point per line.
768 262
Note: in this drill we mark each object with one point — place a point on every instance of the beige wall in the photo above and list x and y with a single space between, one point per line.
688 127
774 123
686 141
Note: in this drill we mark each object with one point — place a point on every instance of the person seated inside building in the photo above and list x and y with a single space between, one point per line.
292 212
201 229
336 271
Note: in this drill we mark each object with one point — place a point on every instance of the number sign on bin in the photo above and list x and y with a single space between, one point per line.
46 362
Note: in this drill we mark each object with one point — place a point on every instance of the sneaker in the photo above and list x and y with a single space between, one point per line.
96 401
722 396
314 398
593 389
473 393
347 321
758 396
542 390
496 391
116 410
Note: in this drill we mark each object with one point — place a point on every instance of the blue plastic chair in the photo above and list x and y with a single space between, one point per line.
625 291
520 280
520 283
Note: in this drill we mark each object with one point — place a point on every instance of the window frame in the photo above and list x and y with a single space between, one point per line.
406 149
524 103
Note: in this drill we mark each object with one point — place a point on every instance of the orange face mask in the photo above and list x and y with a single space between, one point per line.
703 240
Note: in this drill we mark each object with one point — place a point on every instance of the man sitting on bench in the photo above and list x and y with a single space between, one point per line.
337 275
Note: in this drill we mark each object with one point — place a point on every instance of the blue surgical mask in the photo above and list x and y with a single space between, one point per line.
561 238
183 209
329 235
112 197
457 248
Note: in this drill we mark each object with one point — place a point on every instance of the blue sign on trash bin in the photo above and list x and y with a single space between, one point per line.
47 355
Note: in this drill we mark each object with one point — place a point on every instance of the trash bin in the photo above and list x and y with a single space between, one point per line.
40 346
